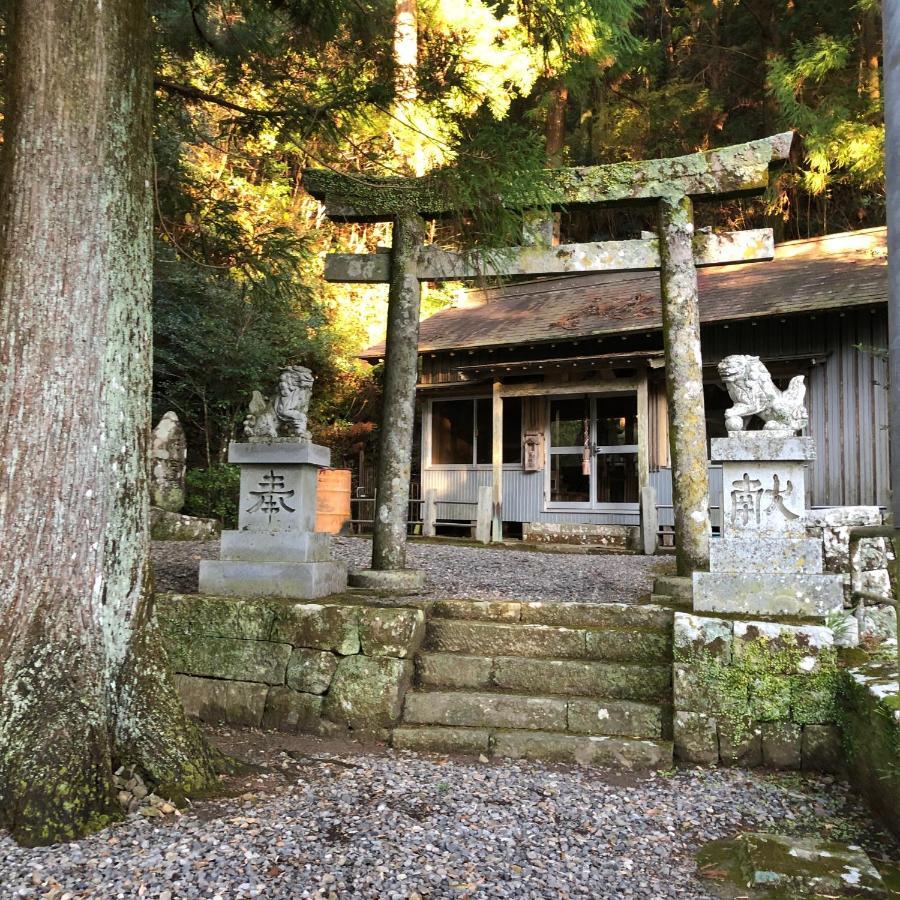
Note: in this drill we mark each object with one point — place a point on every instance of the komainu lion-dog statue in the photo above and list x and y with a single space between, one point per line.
753 393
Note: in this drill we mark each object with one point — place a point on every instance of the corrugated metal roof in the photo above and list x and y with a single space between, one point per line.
848 269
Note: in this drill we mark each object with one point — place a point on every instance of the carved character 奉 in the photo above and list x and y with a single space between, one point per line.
753 393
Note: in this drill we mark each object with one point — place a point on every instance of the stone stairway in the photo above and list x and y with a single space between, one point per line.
673 590
575 682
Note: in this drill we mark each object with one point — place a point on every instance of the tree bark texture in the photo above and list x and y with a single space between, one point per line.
684 384
397 420
84 685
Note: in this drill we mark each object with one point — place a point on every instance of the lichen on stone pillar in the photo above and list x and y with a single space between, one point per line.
684 384
398 416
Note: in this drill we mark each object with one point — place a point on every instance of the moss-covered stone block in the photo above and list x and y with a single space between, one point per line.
367 692
311 671
743 750
813 699
213 700
453 670
172 526
783 649
440 739
696 738
480 610
705 686
618 718
701 636
870 719
183 616
770 698
576 677
231 658
289 710
820 748
391 632
781 745
318 627
774 865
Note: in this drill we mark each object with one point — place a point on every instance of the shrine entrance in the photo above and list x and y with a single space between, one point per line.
675 249
592 459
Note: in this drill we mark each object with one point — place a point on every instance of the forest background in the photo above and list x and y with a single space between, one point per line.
486 94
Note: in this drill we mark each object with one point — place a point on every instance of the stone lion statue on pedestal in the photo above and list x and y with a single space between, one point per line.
753 393
285 415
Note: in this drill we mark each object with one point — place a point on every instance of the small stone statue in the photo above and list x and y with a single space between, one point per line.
285 414
753 393
168 455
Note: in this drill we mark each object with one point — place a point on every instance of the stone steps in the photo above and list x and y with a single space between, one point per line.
562 677
489 639
673 591
576 682
570 615
576 715
594 750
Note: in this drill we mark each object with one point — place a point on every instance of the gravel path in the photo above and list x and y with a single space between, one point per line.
462 571
380 824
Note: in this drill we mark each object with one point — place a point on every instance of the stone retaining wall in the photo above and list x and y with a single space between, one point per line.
870 707
291 666
755 693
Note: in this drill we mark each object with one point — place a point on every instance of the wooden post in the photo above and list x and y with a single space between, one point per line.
483 514
684 384
497 467
643 431
429 516
400 373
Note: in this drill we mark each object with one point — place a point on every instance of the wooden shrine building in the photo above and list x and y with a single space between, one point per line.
578 362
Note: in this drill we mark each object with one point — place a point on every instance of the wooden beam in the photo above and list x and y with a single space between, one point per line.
434 264
591 386
625 358
737 169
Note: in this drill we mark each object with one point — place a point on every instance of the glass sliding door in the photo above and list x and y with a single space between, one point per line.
593 453
615 448
570 439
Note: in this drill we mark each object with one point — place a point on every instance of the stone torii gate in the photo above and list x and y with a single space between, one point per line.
676 251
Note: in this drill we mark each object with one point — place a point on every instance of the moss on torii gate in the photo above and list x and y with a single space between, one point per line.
672 184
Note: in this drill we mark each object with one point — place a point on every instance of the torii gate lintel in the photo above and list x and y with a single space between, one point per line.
676 251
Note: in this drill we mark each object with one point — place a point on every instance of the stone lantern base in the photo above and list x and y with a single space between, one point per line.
275 552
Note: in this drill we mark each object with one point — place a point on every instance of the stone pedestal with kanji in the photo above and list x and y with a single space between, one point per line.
764 563
275 551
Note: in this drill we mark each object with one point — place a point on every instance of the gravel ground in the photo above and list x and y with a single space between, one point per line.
327 821
457 570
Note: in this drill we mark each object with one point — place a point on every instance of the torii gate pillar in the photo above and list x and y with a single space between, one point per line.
395 440
684 383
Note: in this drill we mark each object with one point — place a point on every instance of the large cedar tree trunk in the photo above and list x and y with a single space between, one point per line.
84 683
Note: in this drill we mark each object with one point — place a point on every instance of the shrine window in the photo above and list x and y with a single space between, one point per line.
462 431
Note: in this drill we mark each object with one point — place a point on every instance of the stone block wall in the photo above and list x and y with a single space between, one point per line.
291 666
870 708
869 570
755 693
